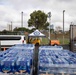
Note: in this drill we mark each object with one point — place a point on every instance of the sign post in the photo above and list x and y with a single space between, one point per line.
49 16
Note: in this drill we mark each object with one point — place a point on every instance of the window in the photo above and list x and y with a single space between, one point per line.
10 38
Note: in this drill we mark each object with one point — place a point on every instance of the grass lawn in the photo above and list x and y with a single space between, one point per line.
46 40
66 41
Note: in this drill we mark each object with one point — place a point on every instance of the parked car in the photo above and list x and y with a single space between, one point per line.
10 40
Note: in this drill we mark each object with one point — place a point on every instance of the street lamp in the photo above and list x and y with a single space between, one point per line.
63 26
22 19
49 16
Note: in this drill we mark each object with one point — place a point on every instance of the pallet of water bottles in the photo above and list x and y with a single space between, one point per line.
54 60
57 74
17 59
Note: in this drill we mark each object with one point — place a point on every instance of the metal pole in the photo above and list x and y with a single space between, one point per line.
63 26
0 45
73 36
11 26
21 19
49 15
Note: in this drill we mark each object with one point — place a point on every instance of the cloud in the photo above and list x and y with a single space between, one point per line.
10 10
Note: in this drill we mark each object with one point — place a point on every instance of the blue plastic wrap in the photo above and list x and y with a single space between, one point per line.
17 58
8 64
21 64
56 60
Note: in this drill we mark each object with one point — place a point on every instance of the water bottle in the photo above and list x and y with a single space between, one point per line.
1 58
7 65
29 66
21 64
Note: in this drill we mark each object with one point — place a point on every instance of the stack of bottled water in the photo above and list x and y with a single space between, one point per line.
7 64
18 58
56 60
51 47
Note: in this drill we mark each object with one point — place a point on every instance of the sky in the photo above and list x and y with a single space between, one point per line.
10 10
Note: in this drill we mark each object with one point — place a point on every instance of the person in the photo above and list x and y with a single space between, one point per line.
38 40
